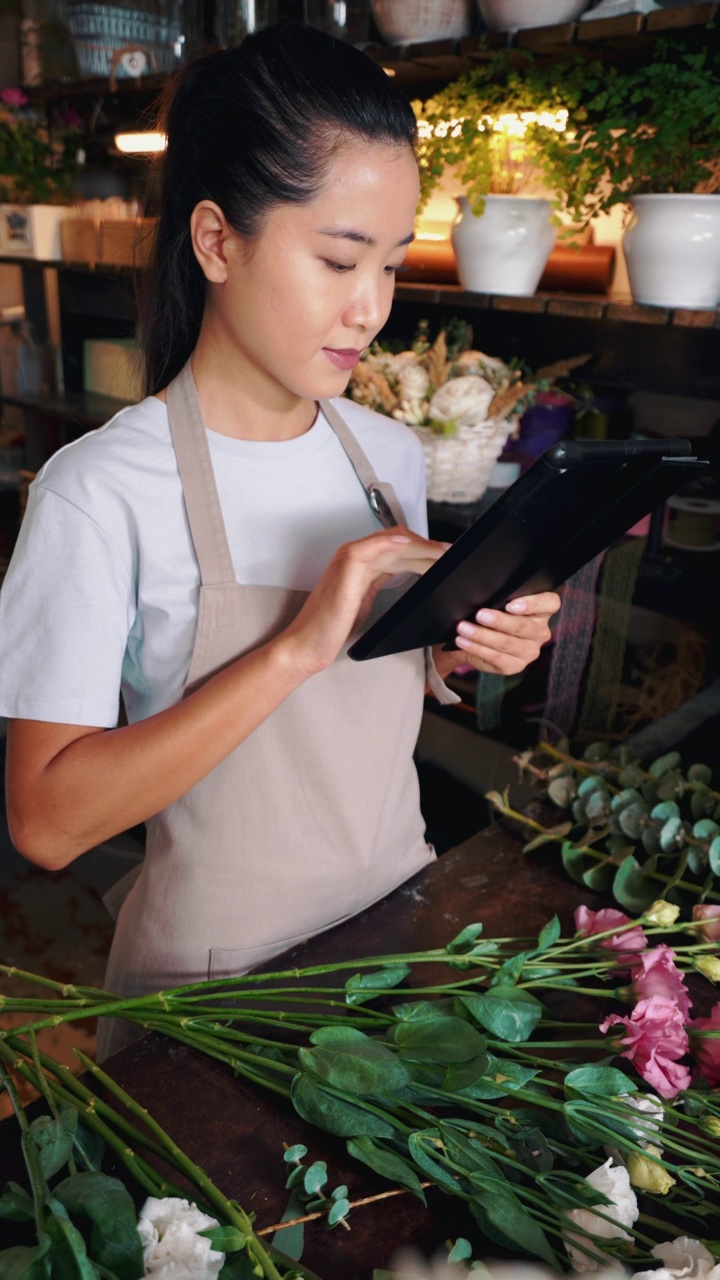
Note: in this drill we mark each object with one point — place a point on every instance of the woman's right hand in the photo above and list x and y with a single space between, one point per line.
344 595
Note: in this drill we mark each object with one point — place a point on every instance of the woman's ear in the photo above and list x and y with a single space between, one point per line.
210 233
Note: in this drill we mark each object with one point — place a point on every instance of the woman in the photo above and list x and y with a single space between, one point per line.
207 555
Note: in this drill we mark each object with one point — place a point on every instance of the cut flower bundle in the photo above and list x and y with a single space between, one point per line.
588 1145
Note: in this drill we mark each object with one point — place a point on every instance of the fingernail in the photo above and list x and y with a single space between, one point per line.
462 643
465 628
446 545
398 537
486 617
517 606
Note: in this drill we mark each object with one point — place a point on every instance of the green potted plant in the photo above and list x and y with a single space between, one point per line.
651 138
492 127
35 179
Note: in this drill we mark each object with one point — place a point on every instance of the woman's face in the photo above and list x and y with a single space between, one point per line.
305 297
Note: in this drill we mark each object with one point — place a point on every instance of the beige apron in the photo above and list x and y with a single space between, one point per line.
311 819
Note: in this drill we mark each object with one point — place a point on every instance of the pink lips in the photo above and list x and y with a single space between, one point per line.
344 359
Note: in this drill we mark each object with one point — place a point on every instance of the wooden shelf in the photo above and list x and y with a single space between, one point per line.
87 408
574 305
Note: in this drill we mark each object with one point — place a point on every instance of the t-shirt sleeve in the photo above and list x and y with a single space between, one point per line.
66 608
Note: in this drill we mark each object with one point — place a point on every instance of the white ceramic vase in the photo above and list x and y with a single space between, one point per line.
506 248
672 249
514 15
412 21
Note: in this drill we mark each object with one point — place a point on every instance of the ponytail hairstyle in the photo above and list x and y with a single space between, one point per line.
251 128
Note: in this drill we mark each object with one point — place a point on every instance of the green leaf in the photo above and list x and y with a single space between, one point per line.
575 861
290 1240
321 1107
26 1262
88 1147
509 1013
451 1040
706 829
69 1253
363 987
600 877
114 1240
54 1139
293 1154
700 773
225 1239
425 1010
503 1218
666 809
669 834
631 889
464 940
461 1250
502 1077
423 1147
590 785
351 1061
16 1205
601 1082
511 971
388 1164
461 1075
549 934
714 856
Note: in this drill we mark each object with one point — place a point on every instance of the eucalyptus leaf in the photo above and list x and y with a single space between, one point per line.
633 819
340 1209
295 1153
509 1013
664 764
590 785
669 835
623 799
598 807
632 775
702 802
315 1178
387 1163
575 861
714 856
700 773
353 1062
461 1250
596 752
664 810
114 1239
363 987
323 1108
706 829
631 889
453 1040
600 877
562 792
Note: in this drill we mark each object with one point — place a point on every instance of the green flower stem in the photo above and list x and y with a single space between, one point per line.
228 1209
38 1185
11 971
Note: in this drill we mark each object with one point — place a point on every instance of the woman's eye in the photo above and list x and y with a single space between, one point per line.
393 270
341 267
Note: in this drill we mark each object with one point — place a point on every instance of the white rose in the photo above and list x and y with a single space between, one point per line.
172 1249
685 1259
613 1182
465 400
414 382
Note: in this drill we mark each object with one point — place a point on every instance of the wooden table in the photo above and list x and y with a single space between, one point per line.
236 1133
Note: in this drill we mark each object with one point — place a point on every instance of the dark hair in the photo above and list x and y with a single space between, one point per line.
251 128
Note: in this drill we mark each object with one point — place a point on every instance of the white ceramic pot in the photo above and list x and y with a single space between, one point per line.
513 15
672 248
32 230
411 21
506 248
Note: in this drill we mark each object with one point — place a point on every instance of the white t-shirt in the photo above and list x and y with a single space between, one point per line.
101 593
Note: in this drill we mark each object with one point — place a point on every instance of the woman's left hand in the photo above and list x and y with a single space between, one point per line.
503 641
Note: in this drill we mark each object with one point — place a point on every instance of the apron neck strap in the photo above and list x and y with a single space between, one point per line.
197 477
381 495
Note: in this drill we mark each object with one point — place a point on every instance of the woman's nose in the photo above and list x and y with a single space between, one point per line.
370 305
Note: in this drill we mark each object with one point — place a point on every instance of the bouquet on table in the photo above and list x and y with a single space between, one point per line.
462 403
590 1145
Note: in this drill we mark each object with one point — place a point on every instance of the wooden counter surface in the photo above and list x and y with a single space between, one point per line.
236 1133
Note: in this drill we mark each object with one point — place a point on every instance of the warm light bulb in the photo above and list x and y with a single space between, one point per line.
134 144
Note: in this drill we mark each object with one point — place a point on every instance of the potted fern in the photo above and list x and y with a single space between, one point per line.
651 138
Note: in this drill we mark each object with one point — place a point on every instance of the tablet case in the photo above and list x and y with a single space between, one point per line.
571 504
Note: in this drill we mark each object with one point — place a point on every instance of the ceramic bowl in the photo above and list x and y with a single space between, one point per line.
512 15
412 21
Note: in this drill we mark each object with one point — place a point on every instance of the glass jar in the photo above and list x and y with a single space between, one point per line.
345 19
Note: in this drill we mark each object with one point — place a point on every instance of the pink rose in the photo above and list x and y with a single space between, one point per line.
626 944
14 97
655 1038
710 932
707 1052
656 975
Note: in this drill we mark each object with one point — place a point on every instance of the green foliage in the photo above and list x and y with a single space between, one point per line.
33 169
632 131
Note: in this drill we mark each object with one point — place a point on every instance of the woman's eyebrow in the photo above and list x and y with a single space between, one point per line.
358 237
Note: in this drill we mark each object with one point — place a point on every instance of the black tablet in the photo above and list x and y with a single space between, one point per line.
571 504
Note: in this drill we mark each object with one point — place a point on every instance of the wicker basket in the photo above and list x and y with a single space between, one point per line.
459 466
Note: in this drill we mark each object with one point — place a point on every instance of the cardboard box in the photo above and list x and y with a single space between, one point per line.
126 242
